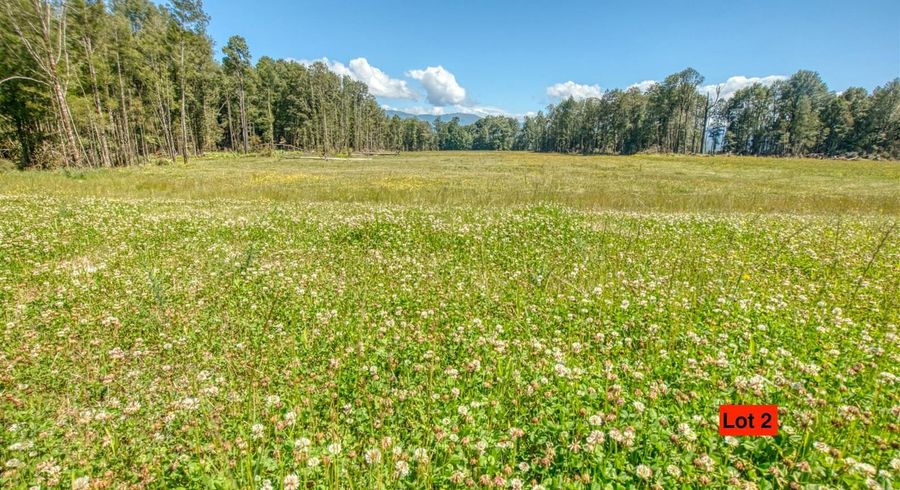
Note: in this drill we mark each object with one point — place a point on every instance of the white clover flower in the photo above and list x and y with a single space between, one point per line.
421 455
334 448
687 432
402 468
313 462
373 456
81 483
257 431
189 403
291 482
643 472
20 446
616 435
596 437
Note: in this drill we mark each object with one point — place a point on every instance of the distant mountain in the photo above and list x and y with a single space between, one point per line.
464 119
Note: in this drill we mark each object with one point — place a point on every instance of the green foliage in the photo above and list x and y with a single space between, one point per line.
138 81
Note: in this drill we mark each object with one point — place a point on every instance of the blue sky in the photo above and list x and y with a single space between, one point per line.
516 57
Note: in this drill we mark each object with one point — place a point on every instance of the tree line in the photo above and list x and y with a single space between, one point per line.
89 83
793 117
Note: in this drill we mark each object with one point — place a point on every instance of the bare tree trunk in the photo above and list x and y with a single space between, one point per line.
100 130
230 122
184 141
126 129
271 120
324 126
165 126
705 124
47 56
245 136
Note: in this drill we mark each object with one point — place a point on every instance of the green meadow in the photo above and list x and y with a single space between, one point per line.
449 320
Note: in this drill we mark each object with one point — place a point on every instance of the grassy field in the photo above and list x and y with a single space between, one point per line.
449 320
637 183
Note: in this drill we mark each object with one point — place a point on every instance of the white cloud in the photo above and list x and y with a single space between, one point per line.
477 110
643 86
575 90
335 66
733 84
379 83
441 87
416 110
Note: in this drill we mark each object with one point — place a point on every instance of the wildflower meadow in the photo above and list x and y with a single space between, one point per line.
180 327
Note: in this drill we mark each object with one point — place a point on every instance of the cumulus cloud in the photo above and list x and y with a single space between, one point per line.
336 66
478 110
733 84
379 83
575 90
643 86
416 110
441 87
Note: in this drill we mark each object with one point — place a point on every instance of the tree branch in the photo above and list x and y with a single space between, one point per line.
23 78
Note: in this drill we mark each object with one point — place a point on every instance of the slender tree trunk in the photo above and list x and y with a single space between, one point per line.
65 122
245 137
271 120
164 123
705 123
130 149
230 122
324 130
100 130
184 139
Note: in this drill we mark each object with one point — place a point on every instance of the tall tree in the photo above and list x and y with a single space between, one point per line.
41 29
189 20
237 64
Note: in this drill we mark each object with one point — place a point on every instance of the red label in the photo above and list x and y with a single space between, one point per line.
748 420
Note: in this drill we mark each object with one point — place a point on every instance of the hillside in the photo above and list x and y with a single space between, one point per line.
464 119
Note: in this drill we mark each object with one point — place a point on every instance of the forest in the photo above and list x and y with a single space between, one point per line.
99 84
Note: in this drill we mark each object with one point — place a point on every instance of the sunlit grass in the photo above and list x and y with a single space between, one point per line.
641 182
449 320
